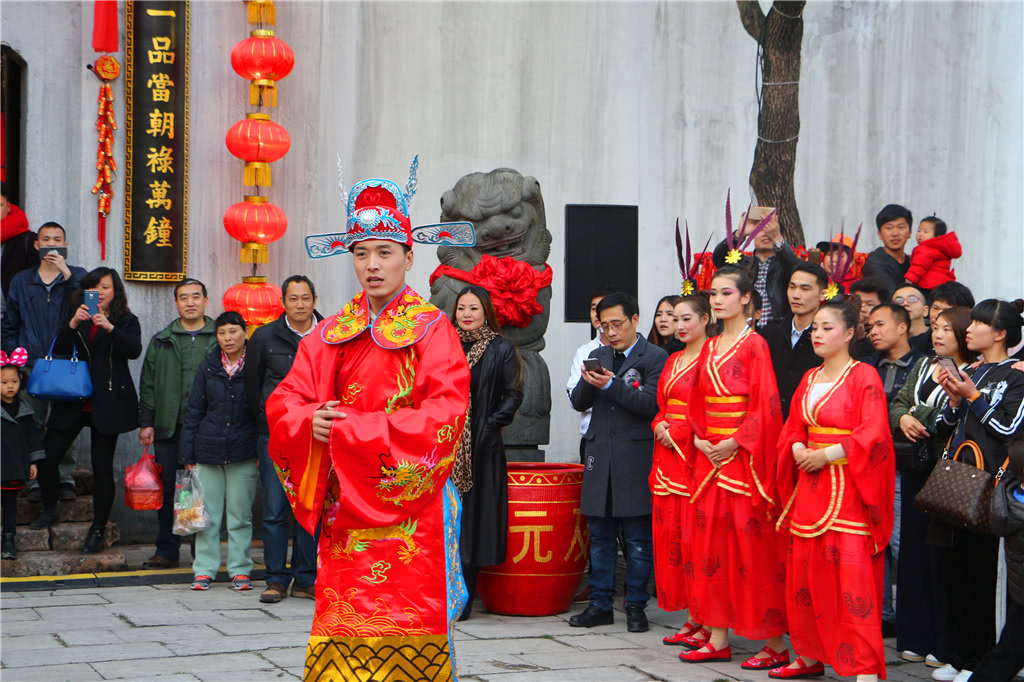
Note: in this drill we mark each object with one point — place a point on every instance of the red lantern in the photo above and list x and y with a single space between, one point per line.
255 223
255 300
262 59
258 141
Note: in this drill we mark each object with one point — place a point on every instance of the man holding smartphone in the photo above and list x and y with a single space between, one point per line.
36 309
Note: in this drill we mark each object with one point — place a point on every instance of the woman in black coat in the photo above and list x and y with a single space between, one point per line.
495 393
106 341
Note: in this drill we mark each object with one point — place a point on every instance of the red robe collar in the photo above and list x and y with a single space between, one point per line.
403 321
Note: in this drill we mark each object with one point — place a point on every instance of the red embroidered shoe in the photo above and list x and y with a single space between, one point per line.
688 630
712 654
692 641
800 671
773 660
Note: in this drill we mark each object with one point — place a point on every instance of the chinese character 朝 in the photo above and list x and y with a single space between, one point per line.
158 231
161 123
160 161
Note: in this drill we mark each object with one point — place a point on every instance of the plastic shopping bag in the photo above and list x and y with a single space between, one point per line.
143 488
189 508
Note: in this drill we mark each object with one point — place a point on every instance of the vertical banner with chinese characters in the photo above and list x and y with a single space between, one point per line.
156 140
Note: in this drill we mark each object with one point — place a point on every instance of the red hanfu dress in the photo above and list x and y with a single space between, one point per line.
839 519
670 496
389 583
737 574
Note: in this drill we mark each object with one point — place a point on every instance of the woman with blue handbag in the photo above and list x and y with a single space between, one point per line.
105 335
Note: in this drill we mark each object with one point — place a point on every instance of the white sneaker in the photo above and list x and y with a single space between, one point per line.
933 662
962 676
911 656
946 673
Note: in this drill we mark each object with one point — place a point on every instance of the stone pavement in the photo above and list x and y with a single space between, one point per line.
169 633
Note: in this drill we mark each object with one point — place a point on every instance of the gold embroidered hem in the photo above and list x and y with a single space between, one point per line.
411 658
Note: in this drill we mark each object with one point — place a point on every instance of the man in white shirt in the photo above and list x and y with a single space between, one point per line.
582 353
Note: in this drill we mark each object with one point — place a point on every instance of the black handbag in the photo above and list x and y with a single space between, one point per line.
915 457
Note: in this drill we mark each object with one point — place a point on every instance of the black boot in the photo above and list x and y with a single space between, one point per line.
9 551
93 541
48 517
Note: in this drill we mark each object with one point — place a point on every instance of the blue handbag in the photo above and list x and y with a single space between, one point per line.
59 379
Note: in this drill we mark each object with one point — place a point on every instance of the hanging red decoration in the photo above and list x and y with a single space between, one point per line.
255 300
106 69
255 222
259 142
262 59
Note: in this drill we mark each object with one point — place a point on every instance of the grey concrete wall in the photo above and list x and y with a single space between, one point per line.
636 103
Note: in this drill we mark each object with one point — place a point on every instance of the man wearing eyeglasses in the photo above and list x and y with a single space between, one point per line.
622 391
915 301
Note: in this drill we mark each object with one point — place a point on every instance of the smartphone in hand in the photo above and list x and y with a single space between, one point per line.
61 250
592 365
92 301
948 364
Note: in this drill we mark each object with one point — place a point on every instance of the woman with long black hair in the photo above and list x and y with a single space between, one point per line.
663 326
105 341
495 393
922 632
986 405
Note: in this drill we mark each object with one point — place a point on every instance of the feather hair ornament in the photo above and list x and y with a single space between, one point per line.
737 247
688 266
837 270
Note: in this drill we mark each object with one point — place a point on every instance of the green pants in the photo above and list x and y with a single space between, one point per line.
227 488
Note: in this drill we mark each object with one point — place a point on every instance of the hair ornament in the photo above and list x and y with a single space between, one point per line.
737 247
17 358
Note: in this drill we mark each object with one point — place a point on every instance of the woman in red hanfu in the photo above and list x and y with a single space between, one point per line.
735 417
673 528
837 474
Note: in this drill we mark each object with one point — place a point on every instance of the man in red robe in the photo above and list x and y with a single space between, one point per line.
364 431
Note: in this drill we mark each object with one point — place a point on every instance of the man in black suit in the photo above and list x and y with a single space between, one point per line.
789 340
622 392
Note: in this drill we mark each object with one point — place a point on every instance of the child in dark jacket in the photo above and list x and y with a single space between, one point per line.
218 438
931 260
22 444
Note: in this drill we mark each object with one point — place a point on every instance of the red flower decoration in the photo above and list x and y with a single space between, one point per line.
513 286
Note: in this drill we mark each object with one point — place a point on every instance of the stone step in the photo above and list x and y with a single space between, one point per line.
30 564
83 481
64 537
69 537
76 510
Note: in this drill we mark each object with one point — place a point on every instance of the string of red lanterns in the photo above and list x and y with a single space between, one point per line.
263 59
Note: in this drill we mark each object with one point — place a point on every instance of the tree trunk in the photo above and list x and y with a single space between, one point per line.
780 35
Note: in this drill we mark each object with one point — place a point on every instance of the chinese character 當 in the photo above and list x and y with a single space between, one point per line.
158 85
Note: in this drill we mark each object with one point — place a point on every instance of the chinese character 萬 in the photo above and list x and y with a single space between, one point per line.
160 161
158 195
161 52
158 231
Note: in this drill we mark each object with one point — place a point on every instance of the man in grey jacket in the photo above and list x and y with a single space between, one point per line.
622 392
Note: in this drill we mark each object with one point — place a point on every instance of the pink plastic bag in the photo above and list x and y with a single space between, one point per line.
143 488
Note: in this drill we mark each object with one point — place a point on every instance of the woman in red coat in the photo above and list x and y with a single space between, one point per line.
734 417
837 475
670 495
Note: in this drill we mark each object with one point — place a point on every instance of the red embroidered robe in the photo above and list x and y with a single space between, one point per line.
839 520
672 520
389 582
738 575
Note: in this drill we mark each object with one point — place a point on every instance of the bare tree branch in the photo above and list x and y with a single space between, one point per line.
751 16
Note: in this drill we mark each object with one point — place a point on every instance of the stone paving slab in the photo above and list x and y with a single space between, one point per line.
168 632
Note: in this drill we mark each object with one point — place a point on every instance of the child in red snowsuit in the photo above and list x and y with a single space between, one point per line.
930 262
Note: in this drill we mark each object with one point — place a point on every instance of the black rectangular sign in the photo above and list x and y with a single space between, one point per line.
156 140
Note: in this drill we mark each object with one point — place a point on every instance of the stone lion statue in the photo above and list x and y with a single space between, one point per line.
510 261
